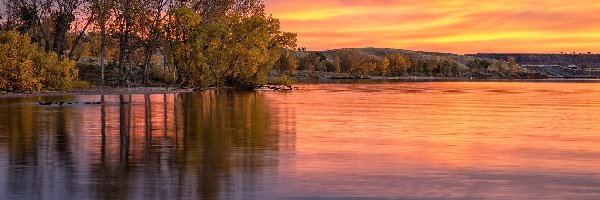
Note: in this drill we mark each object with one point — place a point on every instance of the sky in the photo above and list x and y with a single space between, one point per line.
456 26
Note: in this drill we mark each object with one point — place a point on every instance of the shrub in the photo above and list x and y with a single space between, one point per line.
17 69
79 84
24 68
284 80
56 74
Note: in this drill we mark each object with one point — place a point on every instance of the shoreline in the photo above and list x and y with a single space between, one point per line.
99 91
170 90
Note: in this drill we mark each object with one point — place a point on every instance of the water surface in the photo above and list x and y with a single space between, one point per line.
423 140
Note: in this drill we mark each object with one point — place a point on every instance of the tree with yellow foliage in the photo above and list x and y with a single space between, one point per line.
384 66
24 67
17 69
398 64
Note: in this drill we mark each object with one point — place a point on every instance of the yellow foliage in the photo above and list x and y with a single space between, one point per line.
57 74
24 68
17 71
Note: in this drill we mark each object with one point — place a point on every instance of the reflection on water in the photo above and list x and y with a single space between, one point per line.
189 146
436 140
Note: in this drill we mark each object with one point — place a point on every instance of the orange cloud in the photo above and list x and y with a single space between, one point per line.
460 26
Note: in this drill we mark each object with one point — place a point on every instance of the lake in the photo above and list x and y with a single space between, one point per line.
374 140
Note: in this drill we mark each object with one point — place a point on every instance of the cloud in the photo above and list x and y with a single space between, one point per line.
462 26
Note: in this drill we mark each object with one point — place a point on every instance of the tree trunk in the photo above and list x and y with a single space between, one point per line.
148 53
102 49
81 34
165 65
47 46
63 23
122 41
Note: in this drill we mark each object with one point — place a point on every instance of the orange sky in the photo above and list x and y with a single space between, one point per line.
459 26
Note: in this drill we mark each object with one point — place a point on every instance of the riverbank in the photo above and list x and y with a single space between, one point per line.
137 90
99 91
305 74
273 87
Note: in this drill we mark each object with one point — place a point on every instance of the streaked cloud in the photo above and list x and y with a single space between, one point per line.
461 26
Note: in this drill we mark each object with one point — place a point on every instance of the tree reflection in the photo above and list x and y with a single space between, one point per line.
191 146
224 129
39 149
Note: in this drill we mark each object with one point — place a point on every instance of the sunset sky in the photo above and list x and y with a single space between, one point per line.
459 26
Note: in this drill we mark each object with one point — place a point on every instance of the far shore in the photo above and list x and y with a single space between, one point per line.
110 90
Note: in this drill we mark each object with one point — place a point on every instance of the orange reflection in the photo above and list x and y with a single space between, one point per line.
502 126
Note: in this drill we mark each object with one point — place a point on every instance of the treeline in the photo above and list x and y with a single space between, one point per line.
360 64
590 60
357 63
194 43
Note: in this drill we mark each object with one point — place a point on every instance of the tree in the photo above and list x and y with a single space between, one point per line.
430 65
24 68
357 63
17 70
384 66
310 62
336 64
349 59
57 74
90 14
151 31
236 50
445 67
454 68
49 22
212 10
478 64
102 10
448 67
367 67
125 19
499 67
34 17
208 42
512 66
287 62
398 64
177 49
62 18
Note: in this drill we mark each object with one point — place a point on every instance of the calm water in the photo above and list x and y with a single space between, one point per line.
458 140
